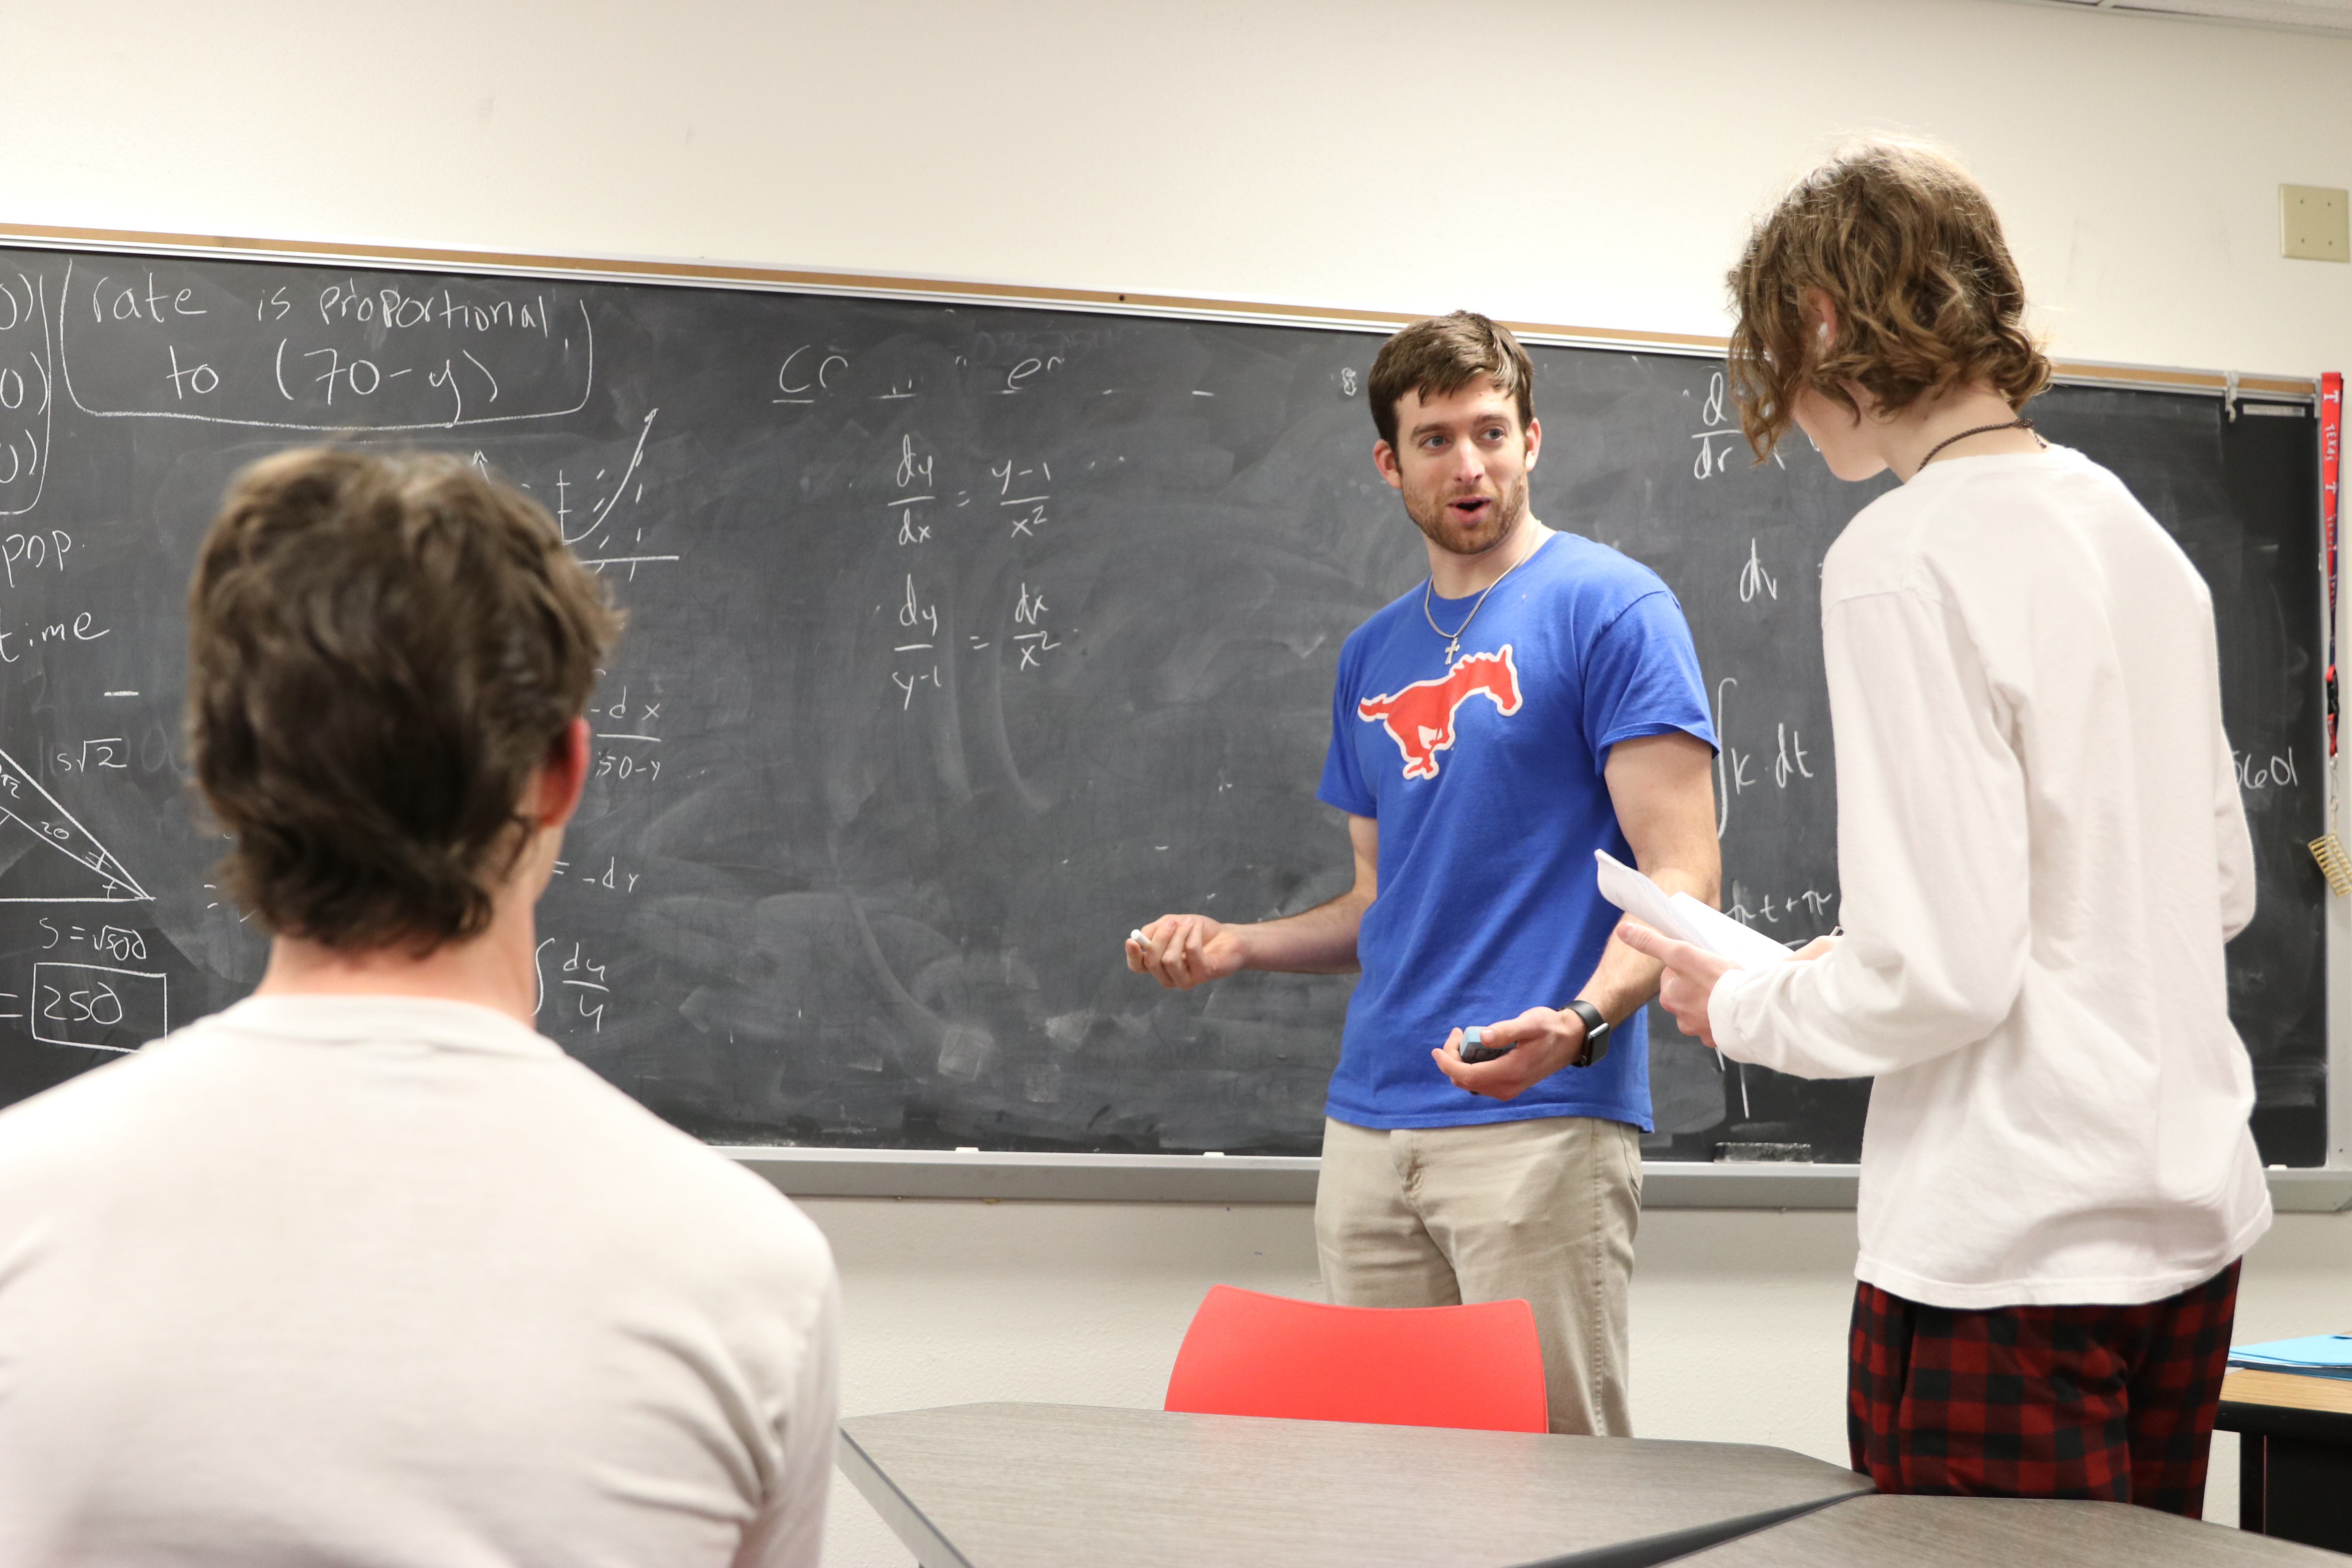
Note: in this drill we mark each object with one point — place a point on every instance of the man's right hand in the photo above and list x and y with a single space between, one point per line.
1183 950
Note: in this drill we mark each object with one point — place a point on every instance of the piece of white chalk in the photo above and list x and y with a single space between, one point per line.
1136 936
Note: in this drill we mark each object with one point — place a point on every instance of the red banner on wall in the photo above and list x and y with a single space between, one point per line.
2331 468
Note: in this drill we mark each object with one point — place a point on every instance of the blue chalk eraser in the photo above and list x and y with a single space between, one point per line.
1474 1048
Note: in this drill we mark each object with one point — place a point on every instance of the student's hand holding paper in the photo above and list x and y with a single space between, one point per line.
1688 985
1690 978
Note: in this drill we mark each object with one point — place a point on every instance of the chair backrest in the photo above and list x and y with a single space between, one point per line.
1248 1354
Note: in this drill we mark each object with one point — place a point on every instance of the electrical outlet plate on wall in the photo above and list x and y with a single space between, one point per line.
2314 224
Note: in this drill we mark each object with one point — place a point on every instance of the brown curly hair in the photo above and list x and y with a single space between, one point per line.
380 650
1909 252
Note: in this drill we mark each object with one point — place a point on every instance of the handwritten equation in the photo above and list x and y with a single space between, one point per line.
1718 437
1013 504
28 392
580 991
626 733
137 340
1803 906
104 1008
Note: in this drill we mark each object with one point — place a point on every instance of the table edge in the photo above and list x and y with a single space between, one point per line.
898 1511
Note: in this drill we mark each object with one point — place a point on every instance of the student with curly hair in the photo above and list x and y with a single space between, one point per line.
2043 852
364 1269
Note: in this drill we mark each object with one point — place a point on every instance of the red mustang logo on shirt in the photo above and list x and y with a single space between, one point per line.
1420 719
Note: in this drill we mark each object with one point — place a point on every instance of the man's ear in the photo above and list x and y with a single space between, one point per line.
1384 458
561 776
1821 316
1535 440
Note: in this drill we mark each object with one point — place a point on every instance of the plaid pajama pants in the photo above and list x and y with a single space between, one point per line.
2108 1403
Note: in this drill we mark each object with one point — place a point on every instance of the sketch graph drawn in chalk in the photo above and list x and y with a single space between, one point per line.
75 869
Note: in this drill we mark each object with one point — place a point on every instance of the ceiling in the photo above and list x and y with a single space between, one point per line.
2303 16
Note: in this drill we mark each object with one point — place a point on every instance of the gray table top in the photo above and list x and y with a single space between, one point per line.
2002 1532
1061 1486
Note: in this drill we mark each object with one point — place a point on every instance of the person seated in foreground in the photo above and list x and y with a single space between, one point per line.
364 1269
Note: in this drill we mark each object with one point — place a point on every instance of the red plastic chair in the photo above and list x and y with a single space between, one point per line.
1248 1354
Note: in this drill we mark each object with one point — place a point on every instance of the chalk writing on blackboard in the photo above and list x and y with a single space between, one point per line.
800 386
98 877
1720 437
376 360
1754 579
25 366
580 987
1792 761
99 1007
1138 577
1731 763
2254 773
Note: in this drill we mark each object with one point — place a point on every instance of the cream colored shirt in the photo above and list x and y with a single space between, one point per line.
2042 851
393 1282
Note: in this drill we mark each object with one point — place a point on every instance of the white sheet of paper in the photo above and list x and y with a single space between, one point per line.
1744 945
1638 896
1681 917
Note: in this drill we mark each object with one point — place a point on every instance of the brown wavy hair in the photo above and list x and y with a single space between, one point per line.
1909 250
1437 356
380 650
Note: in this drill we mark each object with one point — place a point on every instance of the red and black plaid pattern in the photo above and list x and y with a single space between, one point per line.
2109 1402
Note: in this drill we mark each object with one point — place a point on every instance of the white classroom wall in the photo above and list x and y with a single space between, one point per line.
1559 161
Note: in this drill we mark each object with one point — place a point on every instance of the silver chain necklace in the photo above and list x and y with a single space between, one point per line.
1454 637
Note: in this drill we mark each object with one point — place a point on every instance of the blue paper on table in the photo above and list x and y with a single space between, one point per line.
2315 1355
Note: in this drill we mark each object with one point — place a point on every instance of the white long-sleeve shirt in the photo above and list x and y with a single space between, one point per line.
2042 852
393 1281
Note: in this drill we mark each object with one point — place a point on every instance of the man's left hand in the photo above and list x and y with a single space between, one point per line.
1542 1041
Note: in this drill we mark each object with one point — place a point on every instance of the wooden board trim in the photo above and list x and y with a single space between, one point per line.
2295 1391
652 270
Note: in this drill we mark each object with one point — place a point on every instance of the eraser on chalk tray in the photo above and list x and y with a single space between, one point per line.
1760 1154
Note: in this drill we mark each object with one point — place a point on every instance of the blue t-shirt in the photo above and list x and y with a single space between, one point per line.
1487 782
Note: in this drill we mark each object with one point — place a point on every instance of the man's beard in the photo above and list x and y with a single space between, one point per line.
1434 518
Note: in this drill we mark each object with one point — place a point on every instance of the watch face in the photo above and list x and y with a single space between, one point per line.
1596 1032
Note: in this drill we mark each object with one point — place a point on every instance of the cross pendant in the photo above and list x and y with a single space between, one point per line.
1450 649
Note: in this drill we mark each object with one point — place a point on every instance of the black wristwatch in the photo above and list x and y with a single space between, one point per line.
1596 1033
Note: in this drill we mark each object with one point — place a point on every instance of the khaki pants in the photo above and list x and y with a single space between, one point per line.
1543 1210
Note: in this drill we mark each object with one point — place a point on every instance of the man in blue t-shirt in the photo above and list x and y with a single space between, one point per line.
1535 700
